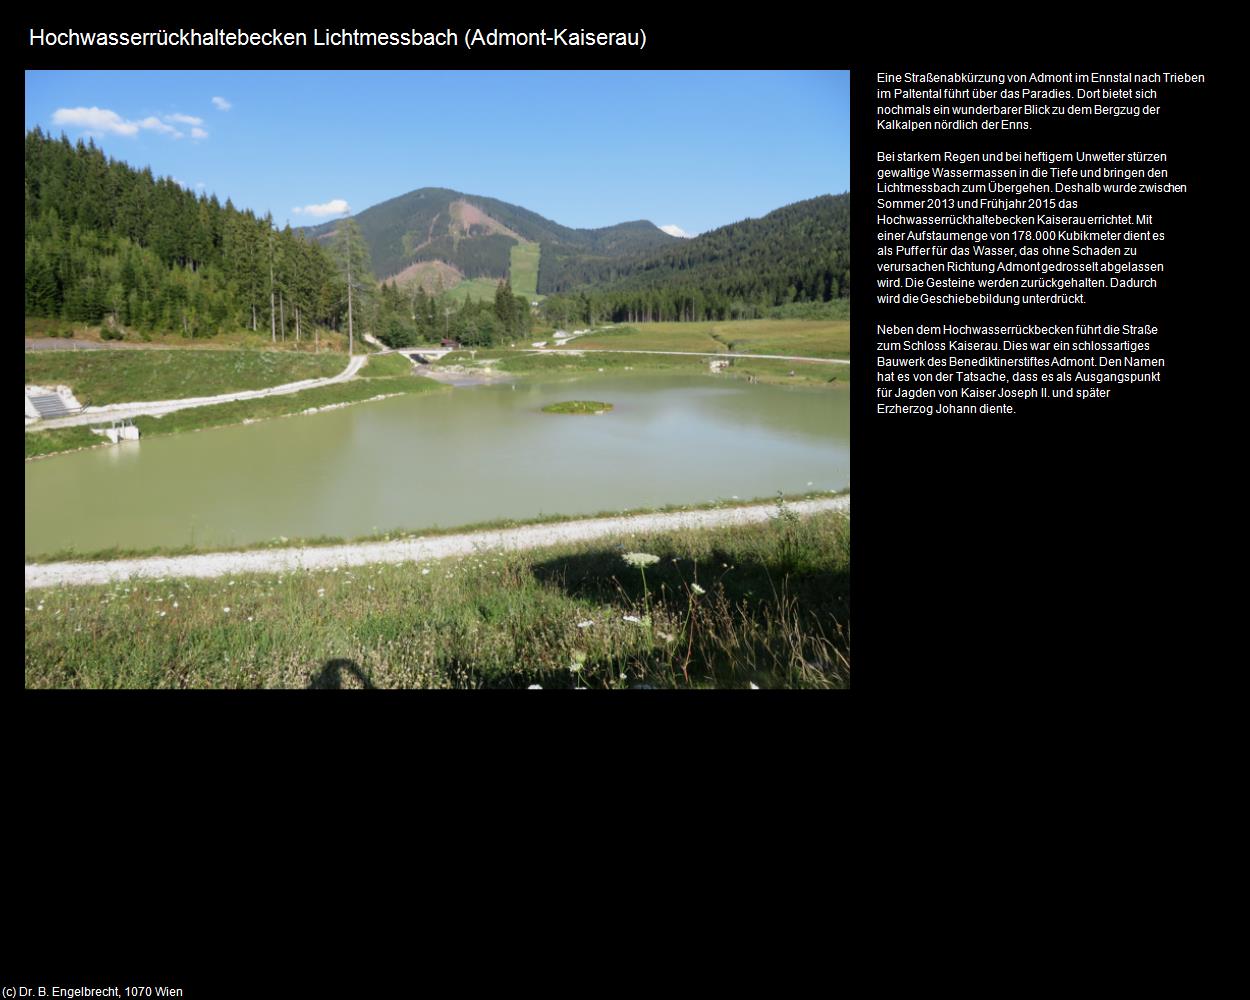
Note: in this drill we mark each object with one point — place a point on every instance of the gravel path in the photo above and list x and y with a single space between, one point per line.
412 550
119 411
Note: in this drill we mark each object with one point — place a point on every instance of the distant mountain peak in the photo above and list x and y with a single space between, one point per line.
675 230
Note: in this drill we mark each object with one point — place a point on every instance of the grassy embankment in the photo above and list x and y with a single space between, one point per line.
372 381
765 604
324 341
102 377
386 365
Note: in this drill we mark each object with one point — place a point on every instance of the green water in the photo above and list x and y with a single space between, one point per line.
444 459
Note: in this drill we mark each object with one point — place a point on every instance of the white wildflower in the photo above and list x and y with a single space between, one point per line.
586 624
535 687
633 618
696 589
225 611
640 559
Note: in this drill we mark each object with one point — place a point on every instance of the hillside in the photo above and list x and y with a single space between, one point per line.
474 235
799 253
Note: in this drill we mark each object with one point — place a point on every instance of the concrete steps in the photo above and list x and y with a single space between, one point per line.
51 405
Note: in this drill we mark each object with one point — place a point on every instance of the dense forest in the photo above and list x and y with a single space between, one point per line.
408 316
108 244
797 254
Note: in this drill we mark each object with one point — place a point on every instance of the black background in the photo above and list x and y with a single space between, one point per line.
1009 573
1038 553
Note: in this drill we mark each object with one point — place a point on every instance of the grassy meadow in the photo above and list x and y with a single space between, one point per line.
807 338
610 363
764 605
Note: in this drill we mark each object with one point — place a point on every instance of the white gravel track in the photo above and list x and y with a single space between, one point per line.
409 550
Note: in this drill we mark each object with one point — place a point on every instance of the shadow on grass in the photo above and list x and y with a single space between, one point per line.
330 677
773 612
603 576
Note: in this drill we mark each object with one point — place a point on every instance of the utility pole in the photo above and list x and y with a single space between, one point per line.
273 316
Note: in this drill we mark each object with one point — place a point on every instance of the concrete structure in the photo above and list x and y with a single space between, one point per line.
119 430
45 404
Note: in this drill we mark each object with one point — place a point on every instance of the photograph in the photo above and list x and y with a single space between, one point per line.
415 379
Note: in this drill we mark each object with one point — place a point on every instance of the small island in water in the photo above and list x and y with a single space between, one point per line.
578 406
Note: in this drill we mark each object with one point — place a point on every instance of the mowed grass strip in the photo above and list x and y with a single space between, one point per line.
804 338
763 604
102 377
523 270
39 443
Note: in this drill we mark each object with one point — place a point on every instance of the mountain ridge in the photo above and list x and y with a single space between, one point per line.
475 233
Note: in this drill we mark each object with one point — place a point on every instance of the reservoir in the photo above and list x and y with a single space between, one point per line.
444 459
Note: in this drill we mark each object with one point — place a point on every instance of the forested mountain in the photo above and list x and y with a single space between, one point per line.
799 253
475 235
107 242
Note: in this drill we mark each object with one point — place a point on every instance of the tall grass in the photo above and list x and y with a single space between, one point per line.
764 605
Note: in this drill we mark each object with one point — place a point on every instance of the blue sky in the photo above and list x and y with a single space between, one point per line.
585 149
